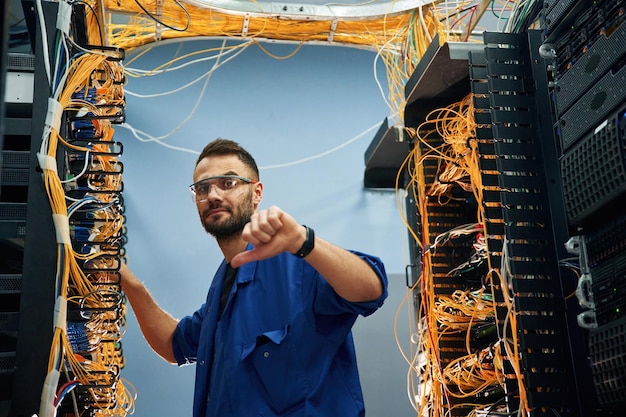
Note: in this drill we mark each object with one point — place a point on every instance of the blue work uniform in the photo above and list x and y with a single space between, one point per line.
282 346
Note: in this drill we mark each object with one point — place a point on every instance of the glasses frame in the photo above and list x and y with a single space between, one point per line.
192 187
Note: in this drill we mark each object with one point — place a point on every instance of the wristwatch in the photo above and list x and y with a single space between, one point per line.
308 245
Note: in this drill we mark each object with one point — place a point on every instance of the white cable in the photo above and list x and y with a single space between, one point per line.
149 138
176 90
501 18
424 25
189 116
378 83
215 66
79 203
44 39
152 139
81 173
148 73
328 152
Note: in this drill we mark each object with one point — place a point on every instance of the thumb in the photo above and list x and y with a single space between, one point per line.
243 258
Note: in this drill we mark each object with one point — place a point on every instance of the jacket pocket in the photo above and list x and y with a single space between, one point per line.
274 360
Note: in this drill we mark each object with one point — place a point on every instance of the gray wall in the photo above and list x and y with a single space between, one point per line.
285 111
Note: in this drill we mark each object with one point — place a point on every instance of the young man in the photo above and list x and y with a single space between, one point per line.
274 335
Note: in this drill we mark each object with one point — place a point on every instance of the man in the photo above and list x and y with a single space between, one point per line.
274 336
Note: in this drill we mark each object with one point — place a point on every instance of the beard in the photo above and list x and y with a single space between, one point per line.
233 225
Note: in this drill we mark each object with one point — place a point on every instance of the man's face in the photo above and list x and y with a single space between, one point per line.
224 213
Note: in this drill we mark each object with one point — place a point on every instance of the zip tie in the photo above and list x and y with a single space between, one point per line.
47 162
62 228
93 235
333 28
48 393
60 313
245 26
157 26
64 17
53 117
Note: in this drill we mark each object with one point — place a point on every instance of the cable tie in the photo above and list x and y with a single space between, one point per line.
245 25
64 17
157 24
333 28
47 162
62 228
60 313
93 235
46 407
53 117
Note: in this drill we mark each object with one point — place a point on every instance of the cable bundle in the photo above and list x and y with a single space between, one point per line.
464 352
82 175
399 37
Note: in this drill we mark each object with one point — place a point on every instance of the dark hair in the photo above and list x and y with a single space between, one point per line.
222 146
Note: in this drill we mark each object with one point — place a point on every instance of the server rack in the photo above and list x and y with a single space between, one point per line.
587 47
548 112
45 313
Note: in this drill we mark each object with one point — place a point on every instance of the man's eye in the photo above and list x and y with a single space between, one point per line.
202 189
229 183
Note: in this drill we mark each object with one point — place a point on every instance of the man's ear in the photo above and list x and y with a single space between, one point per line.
258 194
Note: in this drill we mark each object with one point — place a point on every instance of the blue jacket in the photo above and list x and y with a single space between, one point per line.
283 346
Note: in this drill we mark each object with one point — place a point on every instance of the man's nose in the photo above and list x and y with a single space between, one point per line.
213 193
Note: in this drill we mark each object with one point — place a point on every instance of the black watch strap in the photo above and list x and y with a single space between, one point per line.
308 245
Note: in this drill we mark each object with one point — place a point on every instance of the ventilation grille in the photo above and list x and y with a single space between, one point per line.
594 172
20 62
607 347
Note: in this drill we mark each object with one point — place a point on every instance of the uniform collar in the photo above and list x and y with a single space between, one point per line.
246 271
